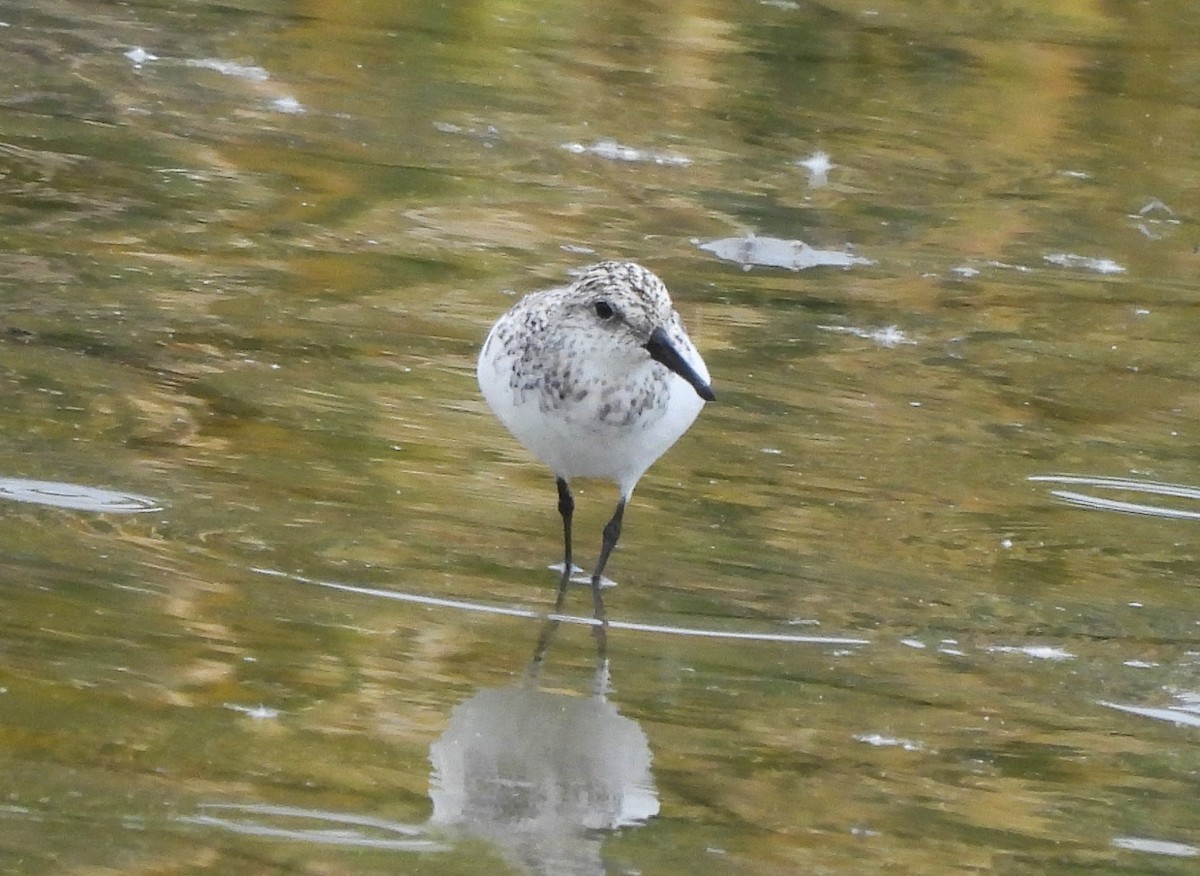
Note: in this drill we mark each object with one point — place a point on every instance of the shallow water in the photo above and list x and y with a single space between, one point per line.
917 595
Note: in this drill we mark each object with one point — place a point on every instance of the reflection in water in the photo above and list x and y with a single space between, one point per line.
259 78
1154 488
1185 715
313 826
614 151
534 773
75 496
1156 847
665 629
771 252
818 166
537 773
1039 652
1085 263
273 314
888 336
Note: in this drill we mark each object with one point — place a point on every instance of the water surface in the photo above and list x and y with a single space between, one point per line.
918 594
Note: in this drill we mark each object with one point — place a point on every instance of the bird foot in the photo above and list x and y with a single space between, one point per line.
583 576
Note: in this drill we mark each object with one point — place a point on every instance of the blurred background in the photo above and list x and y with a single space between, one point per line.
918 594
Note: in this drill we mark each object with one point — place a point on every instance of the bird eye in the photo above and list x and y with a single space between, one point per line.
603 309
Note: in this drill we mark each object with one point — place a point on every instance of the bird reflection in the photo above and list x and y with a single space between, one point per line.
538 774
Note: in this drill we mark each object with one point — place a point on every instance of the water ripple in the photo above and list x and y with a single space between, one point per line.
1099 503
288 822
465 605
75 496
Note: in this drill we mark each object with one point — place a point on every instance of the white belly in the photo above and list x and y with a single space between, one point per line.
614 431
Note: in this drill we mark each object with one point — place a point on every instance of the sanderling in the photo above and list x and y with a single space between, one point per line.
596 379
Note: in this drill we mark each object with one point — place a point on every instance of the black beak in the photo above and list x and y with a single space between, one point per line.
662 350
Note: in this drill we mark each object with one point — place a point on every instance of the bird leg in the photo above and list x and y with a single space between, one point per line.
566 507
612 531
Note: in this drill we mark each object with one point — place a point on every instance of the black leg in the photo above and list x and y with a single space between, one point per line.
612 532
566 508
